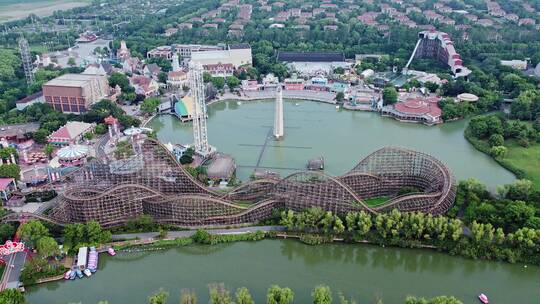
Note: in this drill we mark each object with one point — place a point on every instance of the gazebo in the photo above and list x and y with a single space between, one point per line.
72 155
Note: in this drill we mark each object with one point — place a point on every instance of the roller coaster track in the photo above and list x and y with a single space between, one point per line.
246 211
24 216
161 187
335 180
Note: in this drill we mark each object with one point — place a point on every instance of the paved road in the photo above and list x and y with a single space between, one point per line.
10 279
188 233
100 145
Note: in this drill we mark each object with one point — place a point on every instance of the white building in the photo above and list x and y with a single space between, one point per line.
515 64
313 63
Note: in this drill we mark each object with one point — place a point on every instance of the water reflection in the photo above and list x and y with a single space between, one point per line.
341 137
362 271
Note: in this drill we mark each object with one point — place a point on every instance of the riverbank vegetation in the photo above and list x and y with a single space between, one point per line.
276 294
12 296
416 230
513 143
46 262
199 237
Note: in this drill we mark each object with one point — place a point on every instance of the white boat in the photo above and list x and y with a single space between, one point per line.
87 272
239 103
111 251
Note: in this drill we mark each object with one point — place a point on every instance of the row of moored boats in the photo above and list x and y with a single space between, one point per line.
87 263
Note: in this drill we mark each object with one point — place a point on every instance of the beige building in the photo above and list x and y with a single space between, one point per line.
237 55
75 93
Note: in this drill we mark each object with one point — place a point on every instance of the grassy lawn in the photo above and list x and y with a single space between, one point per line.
246 204
38 48
526 159
376 201
17 9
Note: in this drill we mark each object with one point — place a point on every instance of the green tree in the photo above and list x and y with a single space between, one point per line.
162 77
32 231
10 170
498 151
188 297
218 82
278 295
243 296
48 150
160 297
6 153
47 247
40 136
88 135
340 96
219 294
233 82
71 62
343 300
321 295
12 296
496 140
73 235
207 77
150 104
100 129
122 81
389 95
520 189
164 63
6 232
96 235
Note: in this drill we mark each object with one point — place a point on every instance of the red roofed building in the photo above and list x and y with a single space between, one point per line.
144 85
415 108
72 132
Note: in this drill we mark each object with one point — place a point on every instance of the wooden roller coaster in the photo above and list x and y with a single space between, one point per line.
115 189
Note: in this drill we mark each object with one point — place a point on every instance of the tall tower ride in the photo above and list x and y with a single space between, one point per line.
278 116
26 61
200 133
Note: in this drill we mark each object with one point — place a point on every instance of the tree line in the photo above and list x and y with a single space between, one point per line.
412 230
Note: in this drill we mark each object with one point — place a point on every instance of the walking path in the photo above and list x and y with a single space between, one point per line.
14 265
325 97
188 233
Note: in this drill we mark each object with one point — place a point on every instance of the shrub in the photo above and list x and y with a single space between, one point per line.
496 140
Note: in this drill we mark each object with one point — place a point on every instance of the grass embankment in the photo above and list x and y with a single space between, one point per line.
523 162
17 9
200 237
376 201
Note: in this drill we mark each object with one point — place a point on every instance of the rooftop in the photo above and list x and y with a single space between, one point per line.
311 56
4 182
71 130
72 80
30 97
18 129
239 46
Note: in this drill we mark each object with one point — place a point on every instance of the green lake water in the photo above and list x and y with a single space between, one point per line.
361 271
315 129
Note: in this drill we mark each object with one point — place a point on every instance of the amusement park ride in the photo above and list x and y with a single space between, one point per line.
9 248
